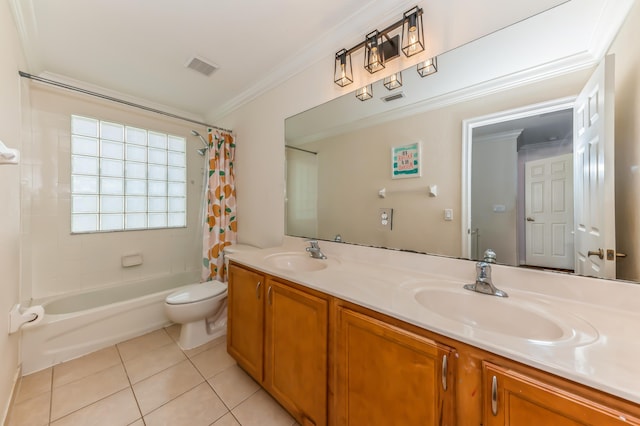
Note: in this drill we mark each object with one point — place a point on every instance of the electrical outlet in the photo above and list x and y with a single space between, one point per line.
385 218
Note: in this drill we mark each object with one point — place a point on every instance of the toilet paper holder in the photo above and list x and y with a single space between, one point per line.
18 316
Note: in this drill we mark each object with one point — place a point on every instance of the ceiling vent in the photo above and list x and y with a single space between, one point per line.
393 97
202 66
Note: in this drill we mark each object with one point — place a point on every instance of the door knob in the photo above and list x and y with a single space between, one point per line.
530 219
599 253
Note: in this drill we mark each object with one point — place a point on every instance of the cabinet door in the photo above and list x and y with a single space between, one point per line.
389 376
512 398
245 320
296 351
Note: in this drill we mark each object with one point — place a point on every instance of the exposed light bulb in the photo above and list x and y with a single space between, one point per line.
343 73
413 39
375 59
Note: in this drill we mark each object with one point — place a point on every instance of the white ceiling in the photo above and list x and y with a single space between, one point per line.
140 48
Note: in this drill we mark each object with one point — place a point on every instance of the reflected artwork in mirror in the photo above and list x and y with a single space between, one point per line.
482 148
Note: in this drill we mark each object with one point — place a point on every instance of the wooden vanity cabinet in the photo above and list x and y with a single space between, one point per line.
245 320
296 328
278 333
386 375
328 361
514 397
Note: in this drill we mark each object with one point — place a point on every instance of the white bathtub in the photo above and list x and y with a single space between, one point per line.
78 324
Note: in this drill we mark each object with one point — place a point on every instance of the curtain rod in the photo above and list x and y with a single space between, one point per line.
121 101
300 149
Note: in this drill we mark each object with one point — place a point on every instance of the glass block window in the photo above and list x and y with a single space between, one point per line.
125 178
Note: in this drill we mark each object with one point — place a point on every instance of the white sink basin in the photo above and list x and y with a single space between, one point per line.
297 262
506 316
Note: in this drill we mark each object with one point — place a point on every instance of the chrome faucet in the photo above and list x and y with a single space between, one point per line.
483 282
314 250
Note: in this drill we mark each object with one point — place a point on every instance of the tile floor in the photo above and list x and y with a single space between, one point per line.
149 381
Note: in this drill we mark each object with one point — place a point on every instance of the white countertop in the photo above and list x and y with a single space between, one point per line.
605 357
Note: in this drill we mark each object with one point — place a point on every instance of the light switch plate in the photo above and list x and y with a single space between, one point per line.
448 214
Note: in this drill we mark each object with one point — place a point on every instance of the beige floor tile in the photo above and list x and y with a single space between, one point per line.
262 410
143 344
33 412
233 386
199 406
213 361
137 423
222 340
75 395
152 362
173 331
117 409
161 388
85 366
226 420
34 384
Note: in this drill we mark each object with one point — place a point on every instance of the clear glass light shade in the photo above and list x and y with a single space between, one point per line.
373 53
428 67
343 72
365 92
393 81
412 32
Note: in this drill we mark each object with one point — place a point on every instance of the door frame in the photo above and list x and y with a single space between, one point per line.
467 138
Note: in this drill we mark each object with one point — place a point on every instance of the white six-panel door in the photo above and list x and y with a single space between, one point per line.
594 174
549 212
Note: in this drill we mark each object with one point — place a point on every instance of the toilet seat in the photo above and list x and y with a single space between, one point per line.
196 293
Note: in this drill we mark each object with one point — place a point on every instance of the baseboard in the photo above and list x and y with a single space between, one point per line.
17 380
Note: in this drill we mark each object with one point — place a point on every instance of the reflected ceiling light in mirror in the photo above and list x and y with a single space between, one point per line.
428 67
342 71
365 93
412 32
373 52
393 81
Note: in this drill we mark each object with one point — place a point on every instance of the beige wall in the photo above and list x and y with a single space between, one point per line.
56 262
627 130
12 104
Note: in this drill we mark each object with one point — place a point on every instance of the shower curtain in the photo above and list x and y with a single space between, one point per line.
221 225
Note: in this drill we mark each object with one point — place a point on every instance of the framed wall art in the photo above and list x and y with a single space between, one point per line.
405 161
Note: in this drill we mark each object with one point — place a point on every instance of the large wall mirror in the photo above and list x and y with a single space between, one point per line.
480 152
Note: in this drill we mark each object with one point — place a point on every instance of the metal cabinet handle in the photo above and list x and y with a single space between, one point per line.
444 372
269 295
530 219
494 396
599 253
258 289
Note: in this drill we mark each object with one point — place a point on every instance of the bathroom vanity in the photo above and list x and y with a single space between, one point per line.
345 341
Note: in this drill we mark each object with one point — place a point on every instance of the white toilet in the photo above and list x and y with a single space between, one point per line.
199 308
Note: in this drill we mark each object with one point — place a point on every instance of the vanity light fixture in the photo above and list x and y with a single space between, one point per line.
380 47
393 81
428 67
412 32
342 71
365 93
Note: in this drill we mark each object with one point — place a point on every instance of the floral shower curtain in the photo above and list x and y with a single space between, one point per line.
221 225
